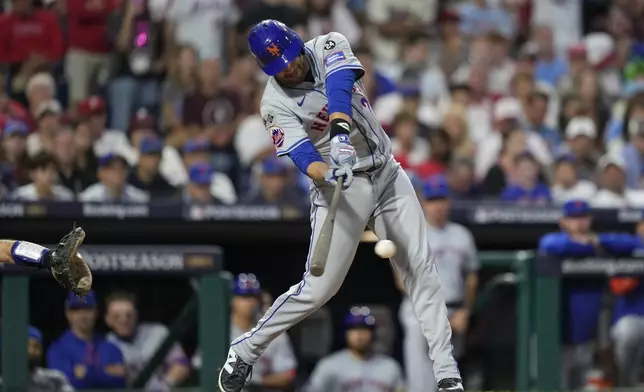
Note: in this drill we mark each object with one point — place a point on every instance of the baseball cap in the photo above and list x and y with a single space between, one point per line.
246 285
107 159
150 145
34 333
196 145
577 50
581 126
565 158
15 128
92 105
507 108
573 208
142 119
611 159
75 302
48 107
200 173
273 166
436 188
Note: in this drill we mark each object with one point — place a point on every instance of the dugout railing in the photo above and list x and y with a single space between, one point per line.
538 306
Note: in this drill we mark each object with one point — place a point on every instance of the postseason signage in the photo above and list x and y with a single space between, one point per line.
588 267
148 259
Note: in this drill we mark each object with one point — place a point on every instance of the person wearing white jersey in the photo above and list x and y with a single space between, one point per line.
139 341
357 368
277 368
456 258
316 112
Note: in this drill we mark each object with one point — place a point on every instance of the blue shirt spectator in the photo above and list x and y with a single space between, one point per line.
87 359
525 187
480 18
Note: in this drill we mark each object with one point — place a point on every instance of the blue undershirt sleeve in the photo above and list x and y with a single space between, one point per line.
303 155
339 86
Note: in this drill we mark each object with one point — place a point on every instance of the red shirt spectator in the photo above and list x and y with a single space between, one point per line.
26 33
87 23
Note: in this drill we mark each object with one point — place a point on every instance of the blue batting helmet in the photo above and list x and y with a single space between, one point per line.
274 45
247 285
359 317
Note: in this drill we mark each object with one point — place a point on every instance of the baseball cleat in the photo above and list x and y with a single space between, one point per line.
235 373
450 385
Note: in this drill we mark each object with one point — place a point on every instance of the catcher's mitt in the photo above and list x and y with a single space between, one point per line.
67 265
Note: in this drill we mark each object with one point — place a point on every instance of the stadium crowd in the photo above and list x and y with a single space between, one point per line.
128 101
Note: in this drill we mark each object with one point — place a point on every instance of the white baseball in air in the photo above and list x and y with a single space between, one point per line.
385 249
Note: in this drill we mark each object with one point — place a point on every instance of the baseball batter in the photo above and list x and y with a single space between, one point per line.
357 368
315 109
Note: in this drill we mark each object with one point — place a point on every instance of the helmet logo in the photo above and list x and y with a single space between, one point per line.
273 49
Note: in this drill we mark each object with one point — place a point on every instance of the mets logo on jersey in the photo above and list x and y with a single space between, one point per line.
277 134
273 49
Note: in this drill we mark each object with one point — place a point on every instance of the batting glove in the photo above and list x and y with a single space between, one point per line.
342 152
331 176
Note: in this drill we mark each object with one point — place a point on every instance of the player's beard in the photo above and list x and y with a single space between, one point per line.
363 351
33 363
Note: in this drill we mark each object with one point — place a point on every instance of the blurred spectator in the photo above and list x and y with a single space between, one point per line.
601 53
275 187
40 88
139 341
416 61
567 185
502 67
87 359
633 152
48 117
214 112
577 62
206 25
197 151
507 116
392 21
408 147
441 155
563 17
197 190
142 126
146 176
32 42
581 133
87 62
499 175
535 112
42 379
42 170
281 10
613 191
479 17
456 124
526 59
344 368
8 106
139 44
570 108
182 80
242 78
70 174
591 96
13 155
453 46
525 187
252 142
617 129
112 185
460 180
550 68
85 157
278 368
325 16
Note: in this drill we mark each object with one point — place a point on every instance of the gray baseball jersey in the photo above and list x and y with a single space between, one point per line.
380 197
295 115
344 372
455 256
138 352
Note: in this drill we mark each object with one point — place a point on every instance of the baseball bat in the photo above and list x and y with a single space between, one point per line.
321 250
